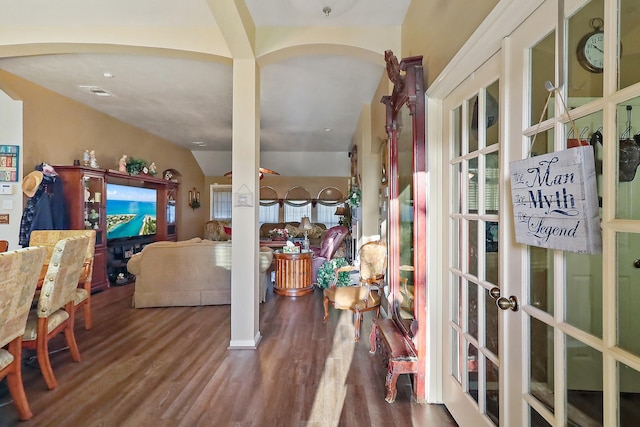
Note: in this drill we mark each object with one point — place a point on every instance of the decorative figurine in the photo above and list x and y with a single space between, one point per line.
86 158
168 175
122 163
152 168
92 159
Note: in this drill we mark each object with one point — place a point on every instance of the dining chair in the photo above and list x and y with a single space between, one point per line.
82 297
55 312
4 245
19 271
363 296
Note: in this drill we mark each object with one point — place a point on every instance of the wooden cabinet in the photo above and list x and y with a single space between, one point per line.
293 274
85 192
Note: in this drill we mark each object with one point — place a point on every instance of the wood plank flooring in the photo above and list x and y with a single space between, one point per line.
171 367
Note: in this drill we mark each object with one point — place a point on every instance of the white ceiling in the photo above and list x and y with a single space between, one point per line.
187 99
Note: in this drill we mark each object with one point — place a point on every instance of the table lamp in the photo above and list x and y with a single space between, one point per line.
305 224
341 211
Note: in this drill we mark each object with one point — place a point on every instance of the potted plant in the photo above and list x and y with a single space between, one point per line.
135 166
326 274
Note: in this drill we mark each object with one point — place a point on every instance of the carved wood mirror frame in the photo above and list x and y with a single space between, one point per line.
405 219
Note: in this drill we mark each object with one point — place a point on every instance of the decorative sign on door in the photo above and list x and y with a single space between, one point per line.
555 201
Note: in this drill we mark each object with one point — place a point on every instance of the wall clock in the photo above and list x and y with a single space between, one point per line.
590 50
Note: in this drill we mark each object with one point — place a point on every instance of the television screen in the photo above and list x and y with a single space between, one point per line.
131 211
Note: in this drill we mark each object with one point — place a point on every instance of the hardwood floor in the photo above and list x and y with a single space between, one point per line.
171 367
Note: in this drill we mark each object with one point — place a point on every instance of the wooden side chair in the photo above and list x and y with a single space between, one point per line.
82 297
361 297
55 312
4 245
19 271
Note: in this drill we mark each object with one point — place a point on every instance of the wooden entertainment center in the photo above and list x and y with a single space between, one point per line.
85 192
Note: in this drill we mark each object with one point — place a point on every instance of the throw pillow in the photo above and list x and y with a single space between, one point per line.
293 230
315 232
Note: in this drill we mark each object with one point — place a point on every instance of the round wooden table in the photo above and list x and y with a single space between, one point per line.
293 274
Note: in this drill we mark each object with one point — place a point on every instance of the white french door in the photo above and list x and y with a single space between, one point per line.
475 368
569 355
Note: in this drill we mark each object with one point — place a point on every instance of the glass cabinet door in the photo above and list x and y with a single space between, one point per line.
405 201
93 205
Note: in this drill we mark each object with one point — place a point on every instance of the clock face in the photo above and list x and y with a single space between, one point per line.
592 52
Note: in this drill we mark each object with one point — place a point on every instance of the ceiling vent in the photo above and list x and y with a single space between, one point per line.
96 90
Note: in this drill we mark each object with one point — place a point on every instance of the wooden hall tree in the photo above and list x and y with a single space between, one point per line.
405 126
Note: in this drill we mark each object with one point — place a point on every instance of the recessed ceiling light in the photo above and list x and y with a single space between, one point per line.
328 129
199 143
108 75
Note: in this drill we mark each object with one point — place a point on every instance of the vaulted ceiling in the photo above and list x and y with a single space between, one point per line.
168 65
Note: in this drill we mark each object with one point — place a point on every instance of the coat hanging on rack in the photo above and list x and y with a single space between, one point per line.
45 209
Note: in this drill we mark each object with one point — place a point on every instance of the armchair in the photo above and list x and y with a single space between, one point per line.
330 244
361 297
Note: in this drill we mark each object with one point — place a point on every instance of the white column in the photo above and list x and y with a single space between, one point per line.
245 332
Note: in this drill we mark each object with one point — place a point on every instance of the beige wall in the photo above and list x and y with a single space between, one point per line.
57 130
438 29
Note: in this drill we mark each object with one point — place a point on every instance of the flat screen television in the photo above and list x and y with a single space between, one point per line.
131 211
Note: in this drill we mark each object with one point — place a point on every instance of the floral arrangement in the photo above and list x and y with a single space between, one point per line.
326 273
354 197
279 234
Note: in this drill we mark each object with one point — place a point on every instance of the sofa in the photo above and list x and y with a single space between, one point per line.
315 235
188 273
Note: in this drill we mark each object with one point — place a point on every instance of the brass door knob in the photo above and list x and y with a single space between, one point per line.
508 303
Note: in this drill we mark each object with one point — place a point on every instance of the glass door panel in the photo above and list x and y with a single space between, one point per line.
629 19
585 38
541 278
584 395
93 203
629 397
628 158
628 291
541 363
542 70
405 202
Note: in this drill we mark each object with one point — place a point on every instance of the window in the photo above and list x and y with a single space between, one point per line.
329 199
268 213
325 214
297 203
221 202
296 212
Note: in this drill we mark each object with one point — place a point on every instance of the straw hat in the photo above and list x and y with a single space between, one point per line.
31 183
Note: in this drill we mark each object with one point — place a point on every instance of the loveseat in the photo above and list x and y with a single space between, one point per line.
315 235
188 273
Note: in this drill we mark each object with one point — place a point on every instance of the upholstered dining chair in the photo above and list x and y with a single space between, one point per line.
55 313
363 296
19 271
4 245
332 241
82 296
